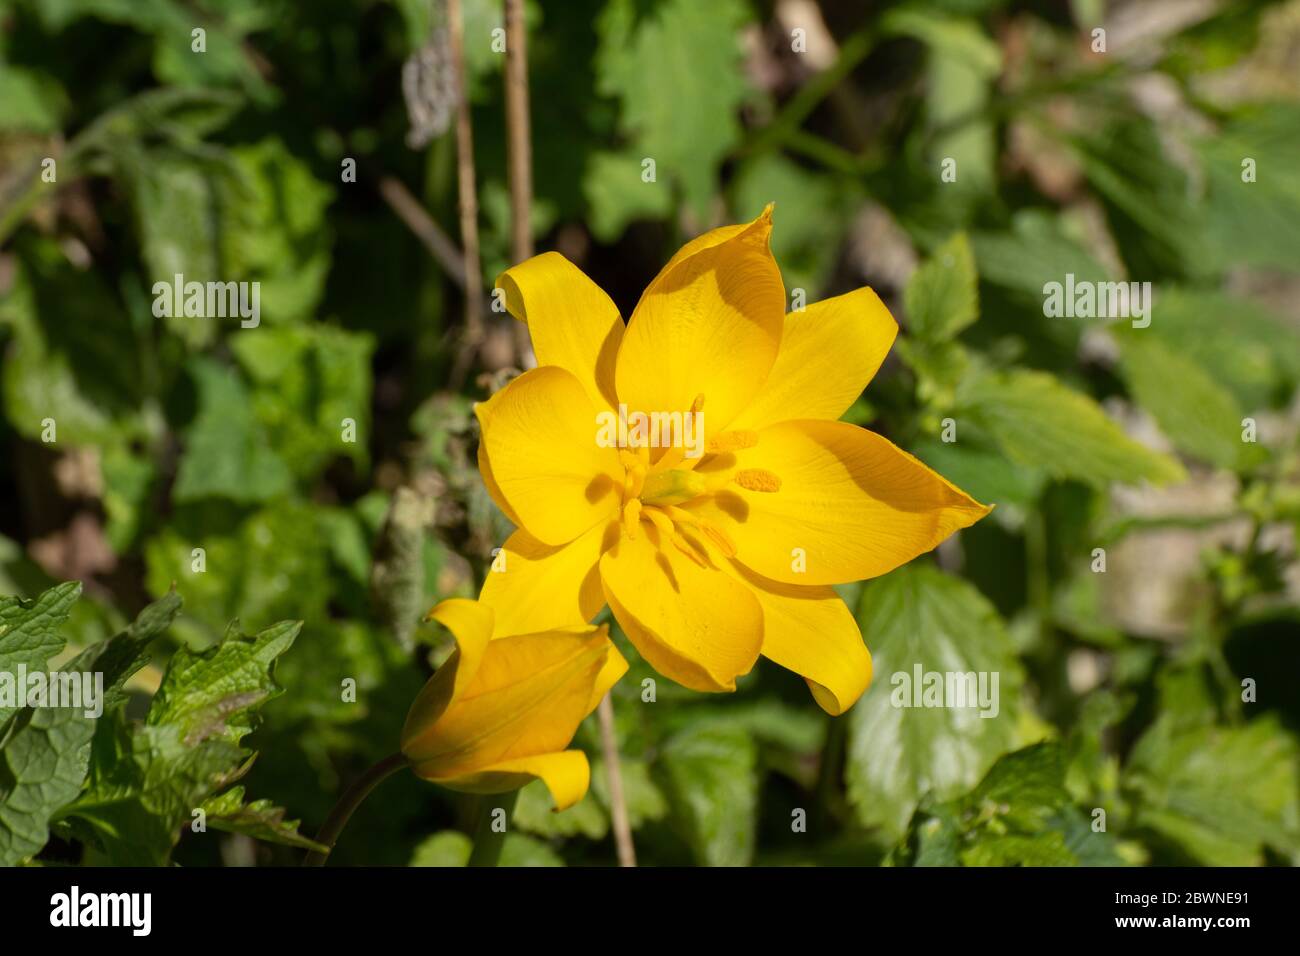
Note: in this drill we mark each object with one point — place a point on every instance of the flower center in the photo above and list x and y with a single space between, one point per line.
653 493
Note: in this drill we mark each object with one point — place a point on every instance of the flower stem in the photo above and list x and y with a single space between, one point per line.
617 800
348 803
488 840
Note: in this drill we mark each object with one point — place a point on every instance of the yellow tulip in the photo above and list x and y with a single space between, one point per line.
501 711
709 561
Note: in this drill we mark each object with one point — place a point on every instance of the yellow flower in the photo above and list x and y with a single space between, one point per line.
705 561
500 712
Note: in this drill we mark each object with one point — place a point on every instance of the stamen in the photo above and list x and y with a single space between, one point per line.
698 404
660 521
631 517
757 479
685 548
731 441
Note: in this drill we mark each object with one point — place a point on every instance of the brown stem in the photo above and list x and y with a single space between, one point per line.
617 801
520 150
473 268
437 242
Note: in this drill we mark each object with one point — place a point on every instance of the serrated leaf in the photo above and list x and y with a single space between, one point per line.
45 751
677 71
213 693
1221 794
1040 422
710 776
147 781
259 819
29 631
1193 411
941 296
919 616
1019 814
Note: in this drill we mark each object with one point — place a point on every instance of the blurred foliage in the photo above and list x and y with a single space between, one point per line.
1136 589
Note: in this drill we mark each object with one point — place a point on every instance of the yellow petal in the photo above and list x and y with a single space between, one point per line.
566 774
571 321
809 630
611 672
471 625
709 324
829 352
494 490
850 505
536 587
695 625
527 697
539 436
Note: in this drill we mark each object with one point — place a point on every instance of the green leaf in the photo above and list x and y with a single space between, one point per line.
1019 814
677 70
1242 345
29 631
1221 794
147 781
45 751
811 217
259 819
1038 421
710 776
1194 412
535 813
1037 250
914 617
941 296
213 693
307 381
617 195
1254 223
284 241
228 454
981 471
644 800
452 848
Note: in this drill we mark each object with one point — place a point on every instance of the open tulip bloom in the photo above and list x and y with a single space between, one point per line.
688 468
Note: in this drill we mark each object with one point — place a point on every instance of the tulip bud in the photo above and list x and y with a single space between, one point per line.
500 712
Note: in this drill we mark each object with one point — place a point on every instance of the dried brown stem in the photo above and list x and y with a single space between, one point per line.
473 285
429 233
617 800
520 149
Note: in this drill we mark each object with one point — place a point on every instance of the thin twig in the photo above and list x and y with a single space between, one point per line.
472 338
617 800
429 233
519 148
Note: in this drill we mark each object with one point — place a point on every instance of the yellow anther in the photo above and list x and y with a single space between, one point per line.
698 404
757 479
719 537
731 441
